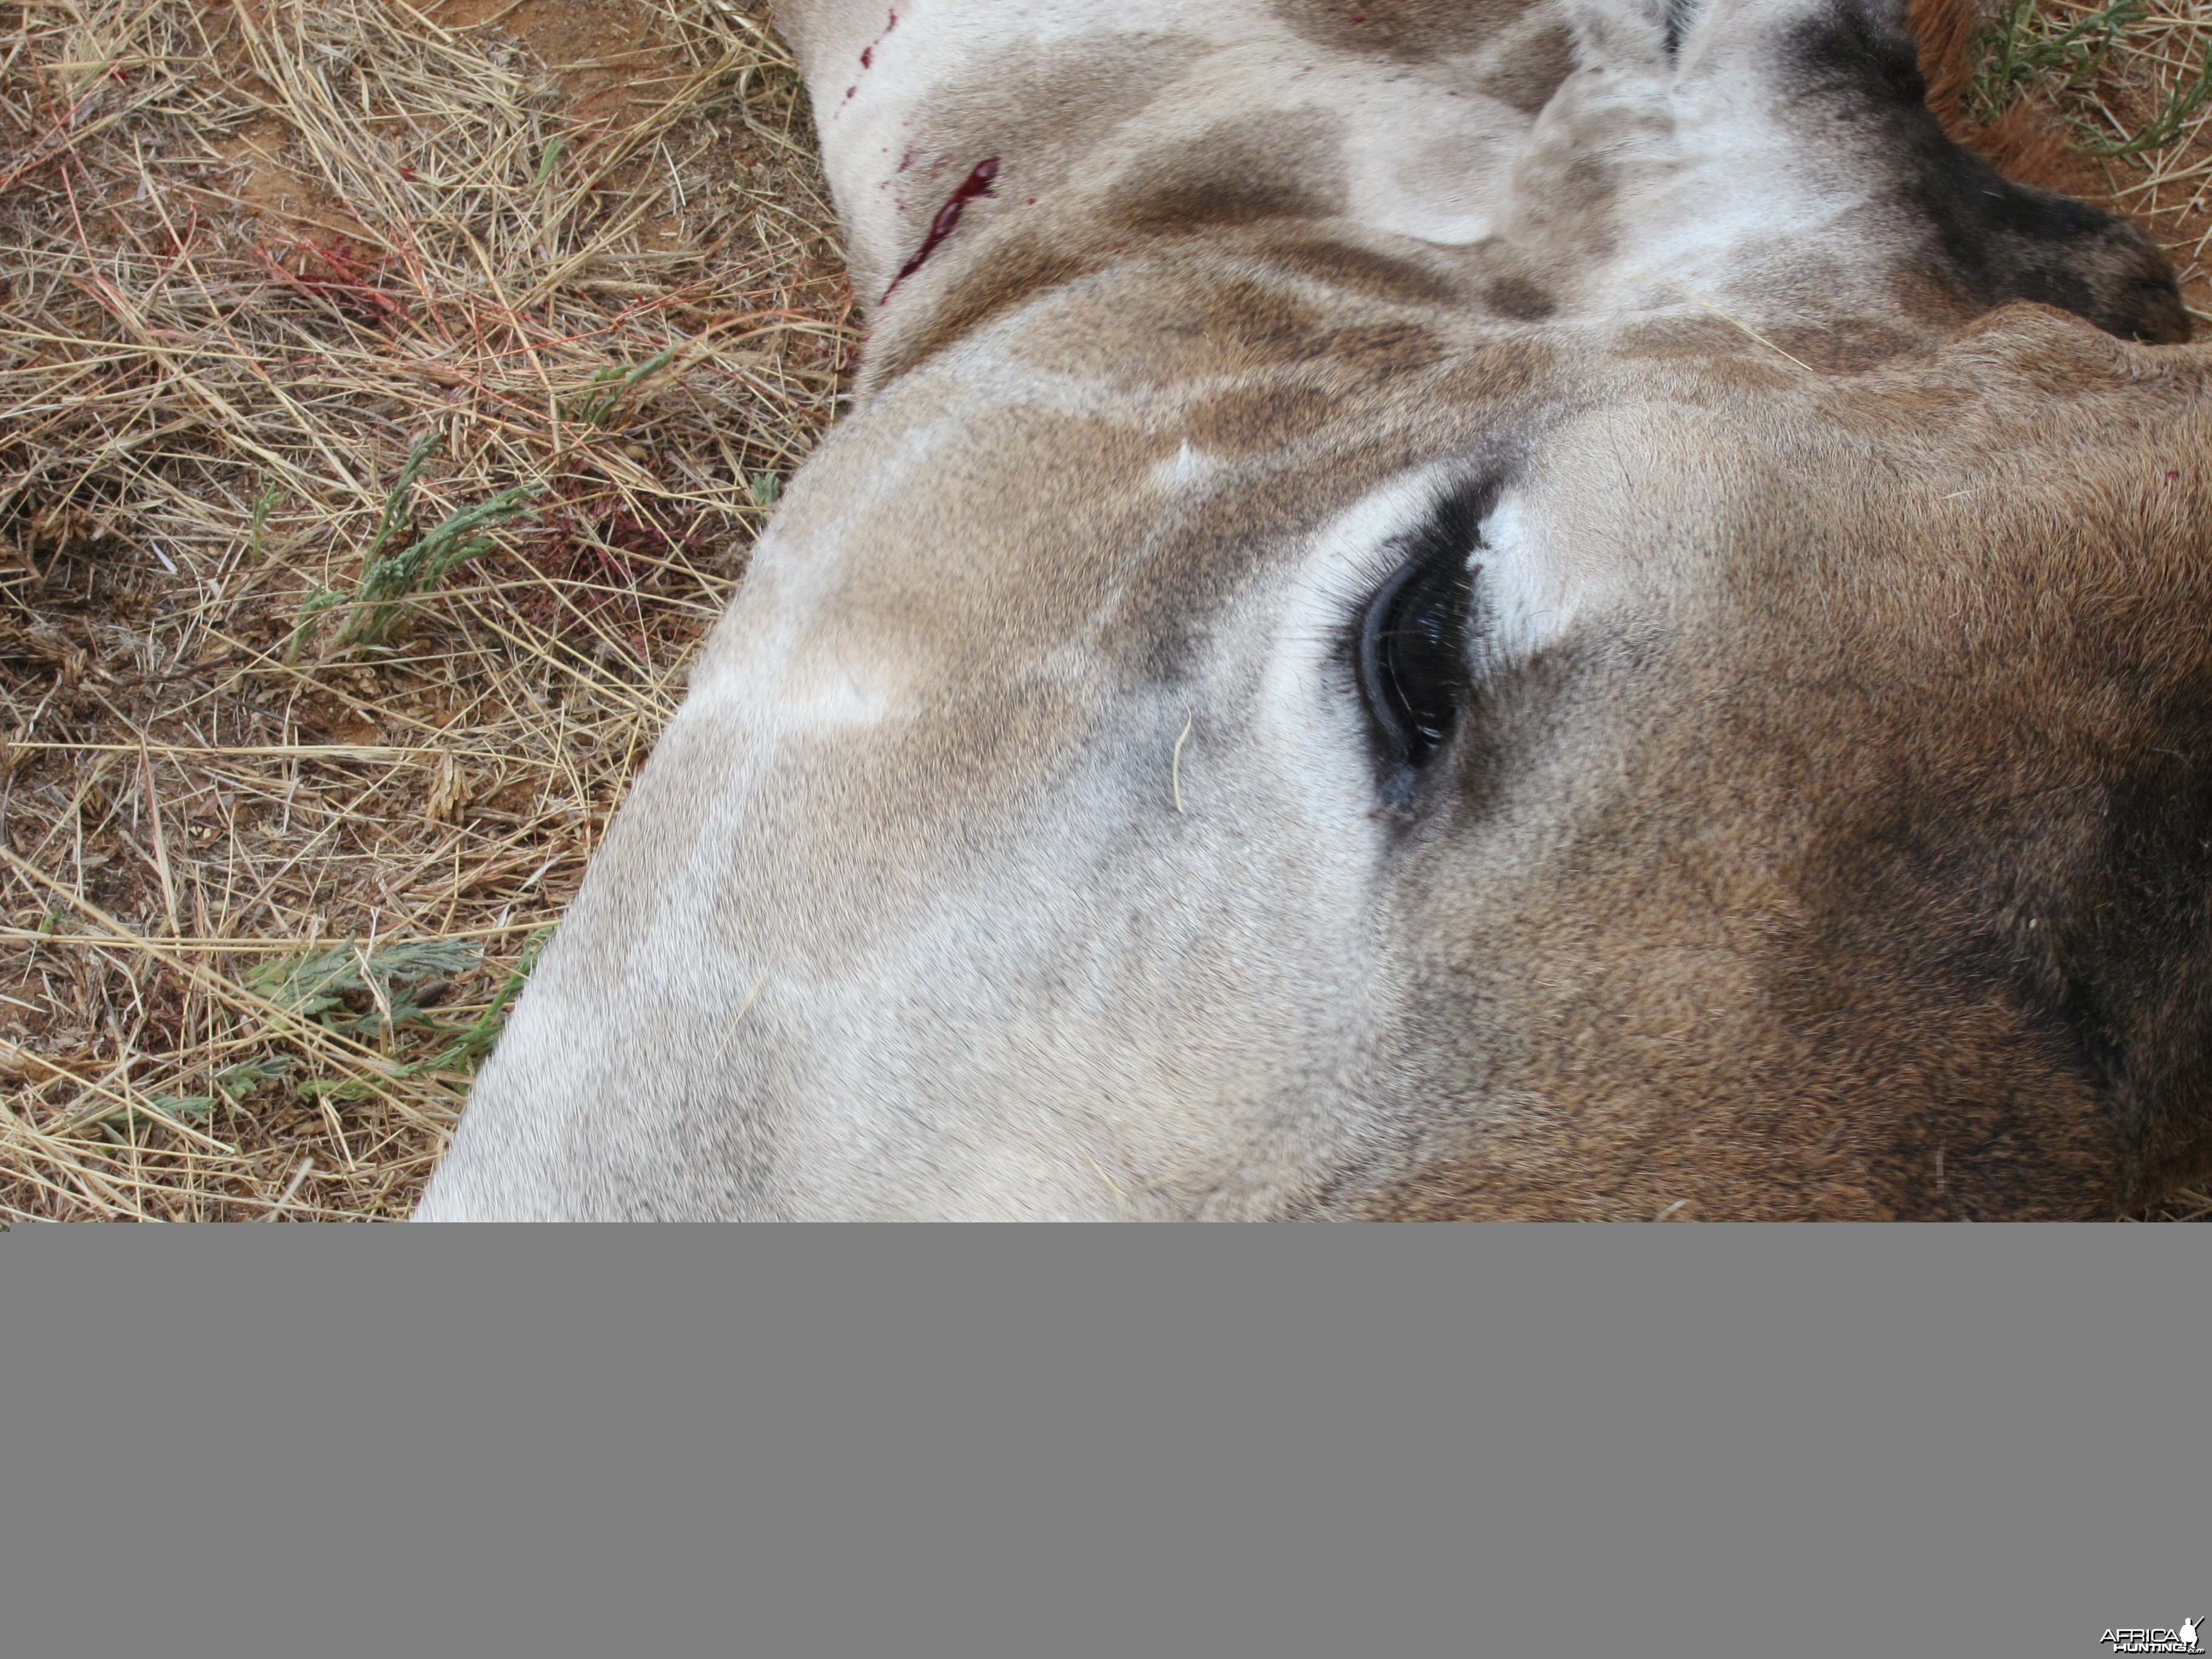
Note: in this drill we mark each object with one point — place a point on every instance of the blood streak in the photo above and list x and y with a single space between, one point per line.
868 52
977 183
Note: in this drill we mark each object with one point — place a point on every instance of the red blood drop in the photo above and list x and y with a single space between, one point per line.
977 183
868 52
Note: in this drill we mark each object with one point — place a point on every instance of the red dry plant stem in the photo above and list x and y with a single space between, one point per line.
184 242
66 149
333 292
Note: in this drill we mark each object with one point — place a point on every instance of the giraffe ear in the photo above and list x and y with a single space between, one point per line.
1980 237
1641 36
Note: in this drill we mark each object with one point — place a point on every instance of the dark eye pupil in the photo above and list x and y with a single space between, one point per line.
1412 659
1410 649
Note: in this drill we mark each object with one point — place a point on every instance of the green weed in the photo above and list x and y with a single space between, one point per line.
393 979
262 503
116 1126
477 1039
239 1081
548 162
608 386
470 1044
2028 48
2182 102
389 581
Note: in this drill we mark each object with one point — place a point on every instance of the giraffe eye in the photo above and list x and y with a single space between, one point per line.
1410 652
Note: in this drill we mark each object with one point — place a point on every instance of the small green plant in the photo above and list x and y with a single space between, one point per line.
469 1046
380 599
608 386
393 979
2181 104
237 1081
2028 48
189 1110
389 581
262 503
548 162
232 1084
318 600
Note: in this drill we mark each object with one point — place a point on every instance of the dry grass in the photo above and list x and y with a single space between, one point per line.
279 829
2165 71
302 758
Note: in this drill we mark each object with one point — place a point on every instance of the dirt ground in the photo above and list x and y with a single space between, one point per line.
388 399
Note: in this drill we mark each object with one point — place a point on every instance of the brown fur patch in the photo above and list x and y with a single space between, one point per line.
1288 166
1519 298
1264 418
1252 323
1042 113
1393 348
1502 372
1411 31
1528 79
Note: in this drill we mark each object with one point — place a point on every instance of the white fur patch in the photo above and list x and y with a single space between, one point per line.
1190 466
829 701
1539 583
1523 587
